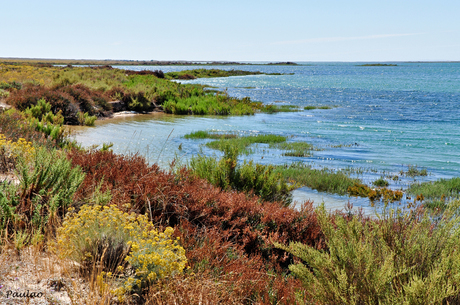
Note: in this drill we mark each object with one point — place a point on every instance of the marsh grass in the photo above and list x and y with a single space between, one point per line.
249 177
381 182
441 189
202 134
323 180
242 143
413 171
294 149
317 107
279 108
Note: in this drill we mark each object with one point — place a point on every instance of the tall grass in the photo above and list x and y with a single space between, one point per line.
442 188
242 143
323 180
248 177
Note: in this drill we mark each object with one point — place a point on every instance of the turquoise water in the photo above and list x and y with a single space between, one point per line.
383 118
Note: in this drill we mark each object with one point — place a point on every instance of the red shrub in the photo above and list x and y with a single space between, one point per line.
70 99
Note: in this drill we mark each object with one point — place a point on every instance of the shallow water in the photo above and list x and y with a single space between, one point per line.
383 119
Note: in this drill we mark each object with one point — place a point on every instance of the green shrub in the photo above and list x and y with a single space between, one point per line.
381 182
85 119
47 183
399 259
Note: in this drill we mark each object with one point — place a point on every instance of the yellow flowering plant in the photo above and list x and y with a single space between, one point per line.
127 245
11 149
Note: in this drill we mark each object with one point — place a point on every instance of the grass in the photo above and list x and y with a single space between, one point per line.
242 143
316 107
413 171
294 149
279 108
248 177
202 134
381 182
323 180
443 188
88 89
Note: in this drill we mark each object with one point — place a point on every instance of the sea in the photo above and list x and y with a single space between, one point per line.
383 119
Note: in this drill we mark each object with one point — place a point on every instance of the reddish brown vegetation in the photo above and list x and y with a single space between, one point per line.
226 233
186 76
70 99
157 73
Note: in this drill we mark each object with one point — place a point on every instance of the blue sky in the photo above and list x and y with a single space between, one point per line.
288 30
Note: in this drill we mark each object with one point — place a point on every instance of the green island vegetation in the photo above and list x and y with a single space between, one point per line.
207 73
82 93
107 228
378 65
317 107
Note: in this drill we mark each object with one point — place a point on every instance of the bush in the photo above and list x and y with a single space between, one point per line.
106 234
68 99
399 259
381 182
46 187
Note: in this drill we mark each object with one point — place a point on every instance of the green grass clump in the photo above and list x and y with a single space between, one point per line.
202 134
371 262
413 171
249 177
242 143
381 182
316 107
282 108
443 188
323 180
294 149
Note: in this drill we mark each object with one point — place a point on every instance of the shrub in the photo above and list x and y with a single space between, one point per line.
69 100
14 125
107 235
10 151
46 189
381 182
399 259
175 199
85 119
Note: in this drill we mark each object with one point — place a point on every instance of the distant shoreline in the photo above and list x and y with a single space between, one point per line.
107 62
114 62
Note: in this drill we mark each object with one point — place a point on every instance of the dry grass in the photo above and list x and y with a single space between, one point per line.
35 270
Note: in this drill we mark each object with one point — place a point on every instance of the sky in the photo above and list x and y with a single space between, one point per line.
288 30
